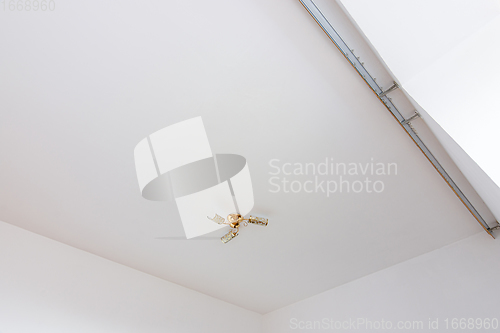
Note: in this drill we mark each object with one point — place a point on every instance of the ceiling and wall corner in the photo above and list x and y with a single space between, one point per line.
448 65
490 224
83 84
47 286
429 293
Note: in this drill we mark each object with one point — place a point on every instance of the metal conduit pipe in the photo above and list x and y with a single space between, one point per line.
382 95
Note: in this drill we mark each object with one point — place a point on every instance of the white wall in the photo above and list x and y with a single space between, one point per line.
47 286
457 281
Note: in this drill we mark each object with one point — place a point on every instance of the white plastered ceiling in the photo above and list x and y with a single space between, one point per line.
82 85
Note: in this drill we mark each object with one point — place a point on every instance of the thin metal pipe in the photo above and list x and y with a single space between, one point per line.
349 55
